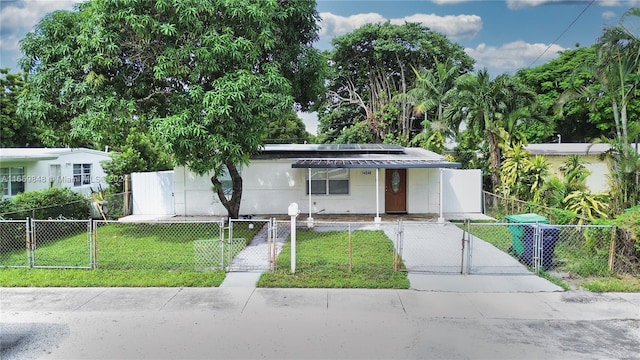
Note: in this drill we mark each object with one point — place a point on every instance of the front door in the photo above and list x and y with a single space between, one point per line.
395 197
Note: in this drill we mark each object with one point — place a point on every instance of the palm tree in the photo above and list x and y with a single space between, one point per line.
430 95
482 105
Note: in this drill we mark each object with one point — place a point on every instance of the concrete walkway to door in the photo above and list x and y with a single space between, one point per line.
434 255
431 251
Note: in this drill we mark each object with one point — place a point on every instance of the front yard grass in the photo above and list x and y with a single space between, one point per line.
108 278
129 254
323 261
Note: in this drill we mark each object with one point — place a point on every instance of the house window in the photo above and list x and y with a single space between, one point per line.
11 181
328 182
81 174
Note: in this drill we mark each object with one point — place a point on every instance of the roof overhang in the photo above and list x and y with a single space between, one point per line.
379 164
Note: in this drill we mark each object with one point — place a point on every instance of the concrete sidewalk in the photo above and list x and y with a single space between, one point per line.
205 323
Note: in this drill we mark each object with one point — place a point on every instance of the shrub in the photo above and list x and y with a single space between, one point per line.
45 204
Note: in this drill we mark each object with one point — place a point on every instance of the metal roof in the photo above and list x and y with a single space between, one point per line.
381 163
342 148
34 154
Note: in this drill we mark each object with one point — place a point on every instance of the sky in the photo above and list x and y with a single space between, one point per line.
501 35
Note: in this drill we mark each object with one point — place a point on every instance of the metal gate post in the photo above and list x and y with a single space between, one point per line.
469 241
399 243
29 241
92 260
537 248
230 242
221 242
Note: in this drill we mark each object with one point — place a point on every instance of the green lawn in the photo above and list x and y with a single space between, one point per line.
126 254
108 278
323 261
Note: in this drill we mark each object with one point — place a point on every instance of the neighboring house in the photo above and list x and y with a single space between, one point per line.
351 178
591 154
27 169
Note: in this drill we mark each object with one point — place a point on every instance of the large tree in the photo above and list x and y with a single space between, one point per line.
579 121
372 65
15 131
204 75
484 106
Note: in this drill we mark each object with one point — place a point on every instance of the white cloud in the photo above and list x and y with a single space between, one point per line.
336 25
23 15
447 2
454 26
17 18
512 56
608 15
523 4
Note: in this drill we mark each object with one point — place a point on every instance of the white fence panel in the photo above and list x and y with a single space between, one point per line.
462 191
153 193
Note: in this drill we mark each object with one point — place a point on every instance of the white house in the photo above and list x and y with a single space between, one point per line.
351 178
27 169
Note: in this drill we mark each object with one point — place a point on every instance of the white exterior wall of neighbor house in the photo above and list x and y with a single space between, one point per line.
39 174
269 186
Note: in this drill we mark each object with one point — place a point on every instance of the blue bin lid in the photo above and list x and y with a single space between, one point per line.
527 218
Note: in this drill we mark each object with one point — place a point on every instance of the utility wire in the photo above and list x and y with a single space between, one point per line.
565 30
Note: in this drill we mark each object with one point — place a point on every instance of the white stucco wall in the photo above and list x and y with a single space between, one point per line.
37 174
269 186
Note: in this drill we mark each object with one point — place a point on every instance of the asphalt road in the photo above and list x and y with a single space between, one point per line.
225 323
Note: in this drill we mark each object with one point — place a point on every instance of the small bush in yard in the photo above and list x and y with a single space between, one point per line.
45 204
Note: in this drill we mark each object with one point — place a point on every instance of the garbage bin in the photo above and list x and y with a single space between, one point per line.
517 231
548 235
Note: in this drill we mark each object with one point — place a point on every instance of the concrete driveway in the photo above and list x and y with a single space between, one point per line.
249 323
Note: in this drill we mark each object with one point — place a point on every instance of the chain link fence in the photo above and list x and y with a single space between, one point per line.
258 244
342 247
15 243
587 250
169 246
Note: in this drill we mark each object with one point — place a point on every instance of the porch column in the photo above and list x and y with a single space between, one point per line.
441 218
377 218
310 218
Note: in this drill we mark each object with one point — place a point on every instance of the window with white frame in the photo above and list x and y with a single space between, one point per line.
12 180
328 182
81 174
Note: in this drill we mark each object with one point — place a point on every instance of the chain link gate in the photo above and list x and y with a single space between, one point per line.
46 244
430 247
526 248
251 244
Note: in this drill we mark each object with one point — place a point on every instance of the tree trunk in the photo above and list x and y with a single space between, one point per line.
233 204
494 160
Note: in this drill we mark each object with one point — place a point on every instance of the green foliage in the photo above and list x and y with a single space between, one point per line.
579 121
562 216
371 73
289 129
140 153
483 104
586 205
357 134
204 76
45 204
15 131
